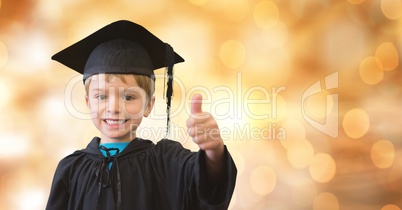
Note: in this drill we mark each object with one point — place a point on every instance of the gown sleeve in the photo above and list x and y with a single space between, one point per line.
59 192
186 175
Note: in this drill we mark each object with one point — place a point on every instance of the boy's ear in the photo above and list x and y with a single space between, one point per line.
150 105
87 100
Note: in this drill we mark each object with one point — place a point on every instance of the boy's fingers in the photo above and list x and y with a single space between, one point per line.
196 104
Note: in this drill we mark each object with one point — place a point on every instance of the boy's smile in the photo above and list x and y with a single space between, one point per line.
117 107
115 123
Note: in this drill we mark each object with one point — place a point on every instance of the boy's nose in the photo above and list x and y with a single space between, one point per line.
113 105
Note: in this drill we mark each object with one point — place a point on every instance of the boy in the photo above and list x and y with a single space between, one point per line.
120 170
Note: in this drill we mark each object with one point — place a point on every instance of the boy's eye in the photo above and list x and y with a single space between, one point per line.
101 97
128 98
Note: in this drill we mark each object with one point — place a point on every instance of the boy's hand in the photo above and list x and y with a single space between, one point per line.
203 128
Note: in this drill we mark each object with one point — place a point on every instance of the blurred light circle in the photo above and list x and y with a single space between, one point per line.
390 207
294 132
275 36
278 108
263 180
383 154
19 143
298 8
3 53
198 2
233 53
275 110
322 168
318 106
6 89
236 10
304 192
266 14
22 189
394 176
392 9
81 28
325 201
388 56
356 123
7 124
355 1
300 153
142 8
371 70
239 159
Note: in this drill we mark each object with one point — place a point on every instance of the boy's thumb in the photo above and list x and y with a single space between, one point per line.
196 104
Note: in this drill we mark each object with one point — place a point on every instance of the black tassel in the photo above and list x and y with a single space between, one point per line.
169 91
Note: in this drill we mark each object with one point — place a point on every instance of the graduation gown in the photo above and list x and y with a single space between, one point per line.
144 176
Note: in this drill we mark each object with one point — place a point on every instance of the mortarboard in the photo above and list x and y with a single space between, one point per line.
122 47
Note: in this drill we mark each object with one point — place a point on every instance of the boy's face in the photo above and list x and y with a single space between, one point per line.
117 107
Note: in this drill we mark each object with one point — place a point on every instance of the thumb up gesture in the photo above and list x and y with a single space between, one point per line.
203 128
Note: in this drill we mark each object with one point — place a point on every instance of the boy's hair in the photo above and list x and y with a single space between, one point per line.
144 82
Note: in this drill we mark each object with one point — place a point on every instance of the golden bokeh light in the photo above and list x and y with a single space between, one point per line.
89 132
388 56
326 201
355 1
266 14
276 36
7 125
274 108
295 132
198 2
383 154
233 53
5 93
10 139
236 10
266 62
356 123
3 54
318 106
394 179
51 10
260 103
141 8
80 29
392 9
371 70
263 180
322 168
390 207
20 185
300 153
253 61
304 192
279 110
352 162
239 159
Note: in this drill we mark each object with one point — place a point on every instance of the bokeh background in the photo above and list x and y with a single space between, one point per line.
254 61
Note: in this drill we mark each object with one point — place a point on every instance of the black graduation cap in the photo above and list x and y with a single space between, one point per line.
122 47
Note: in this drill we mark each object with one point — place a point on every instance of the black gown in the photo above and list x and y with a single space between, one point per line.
144 176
